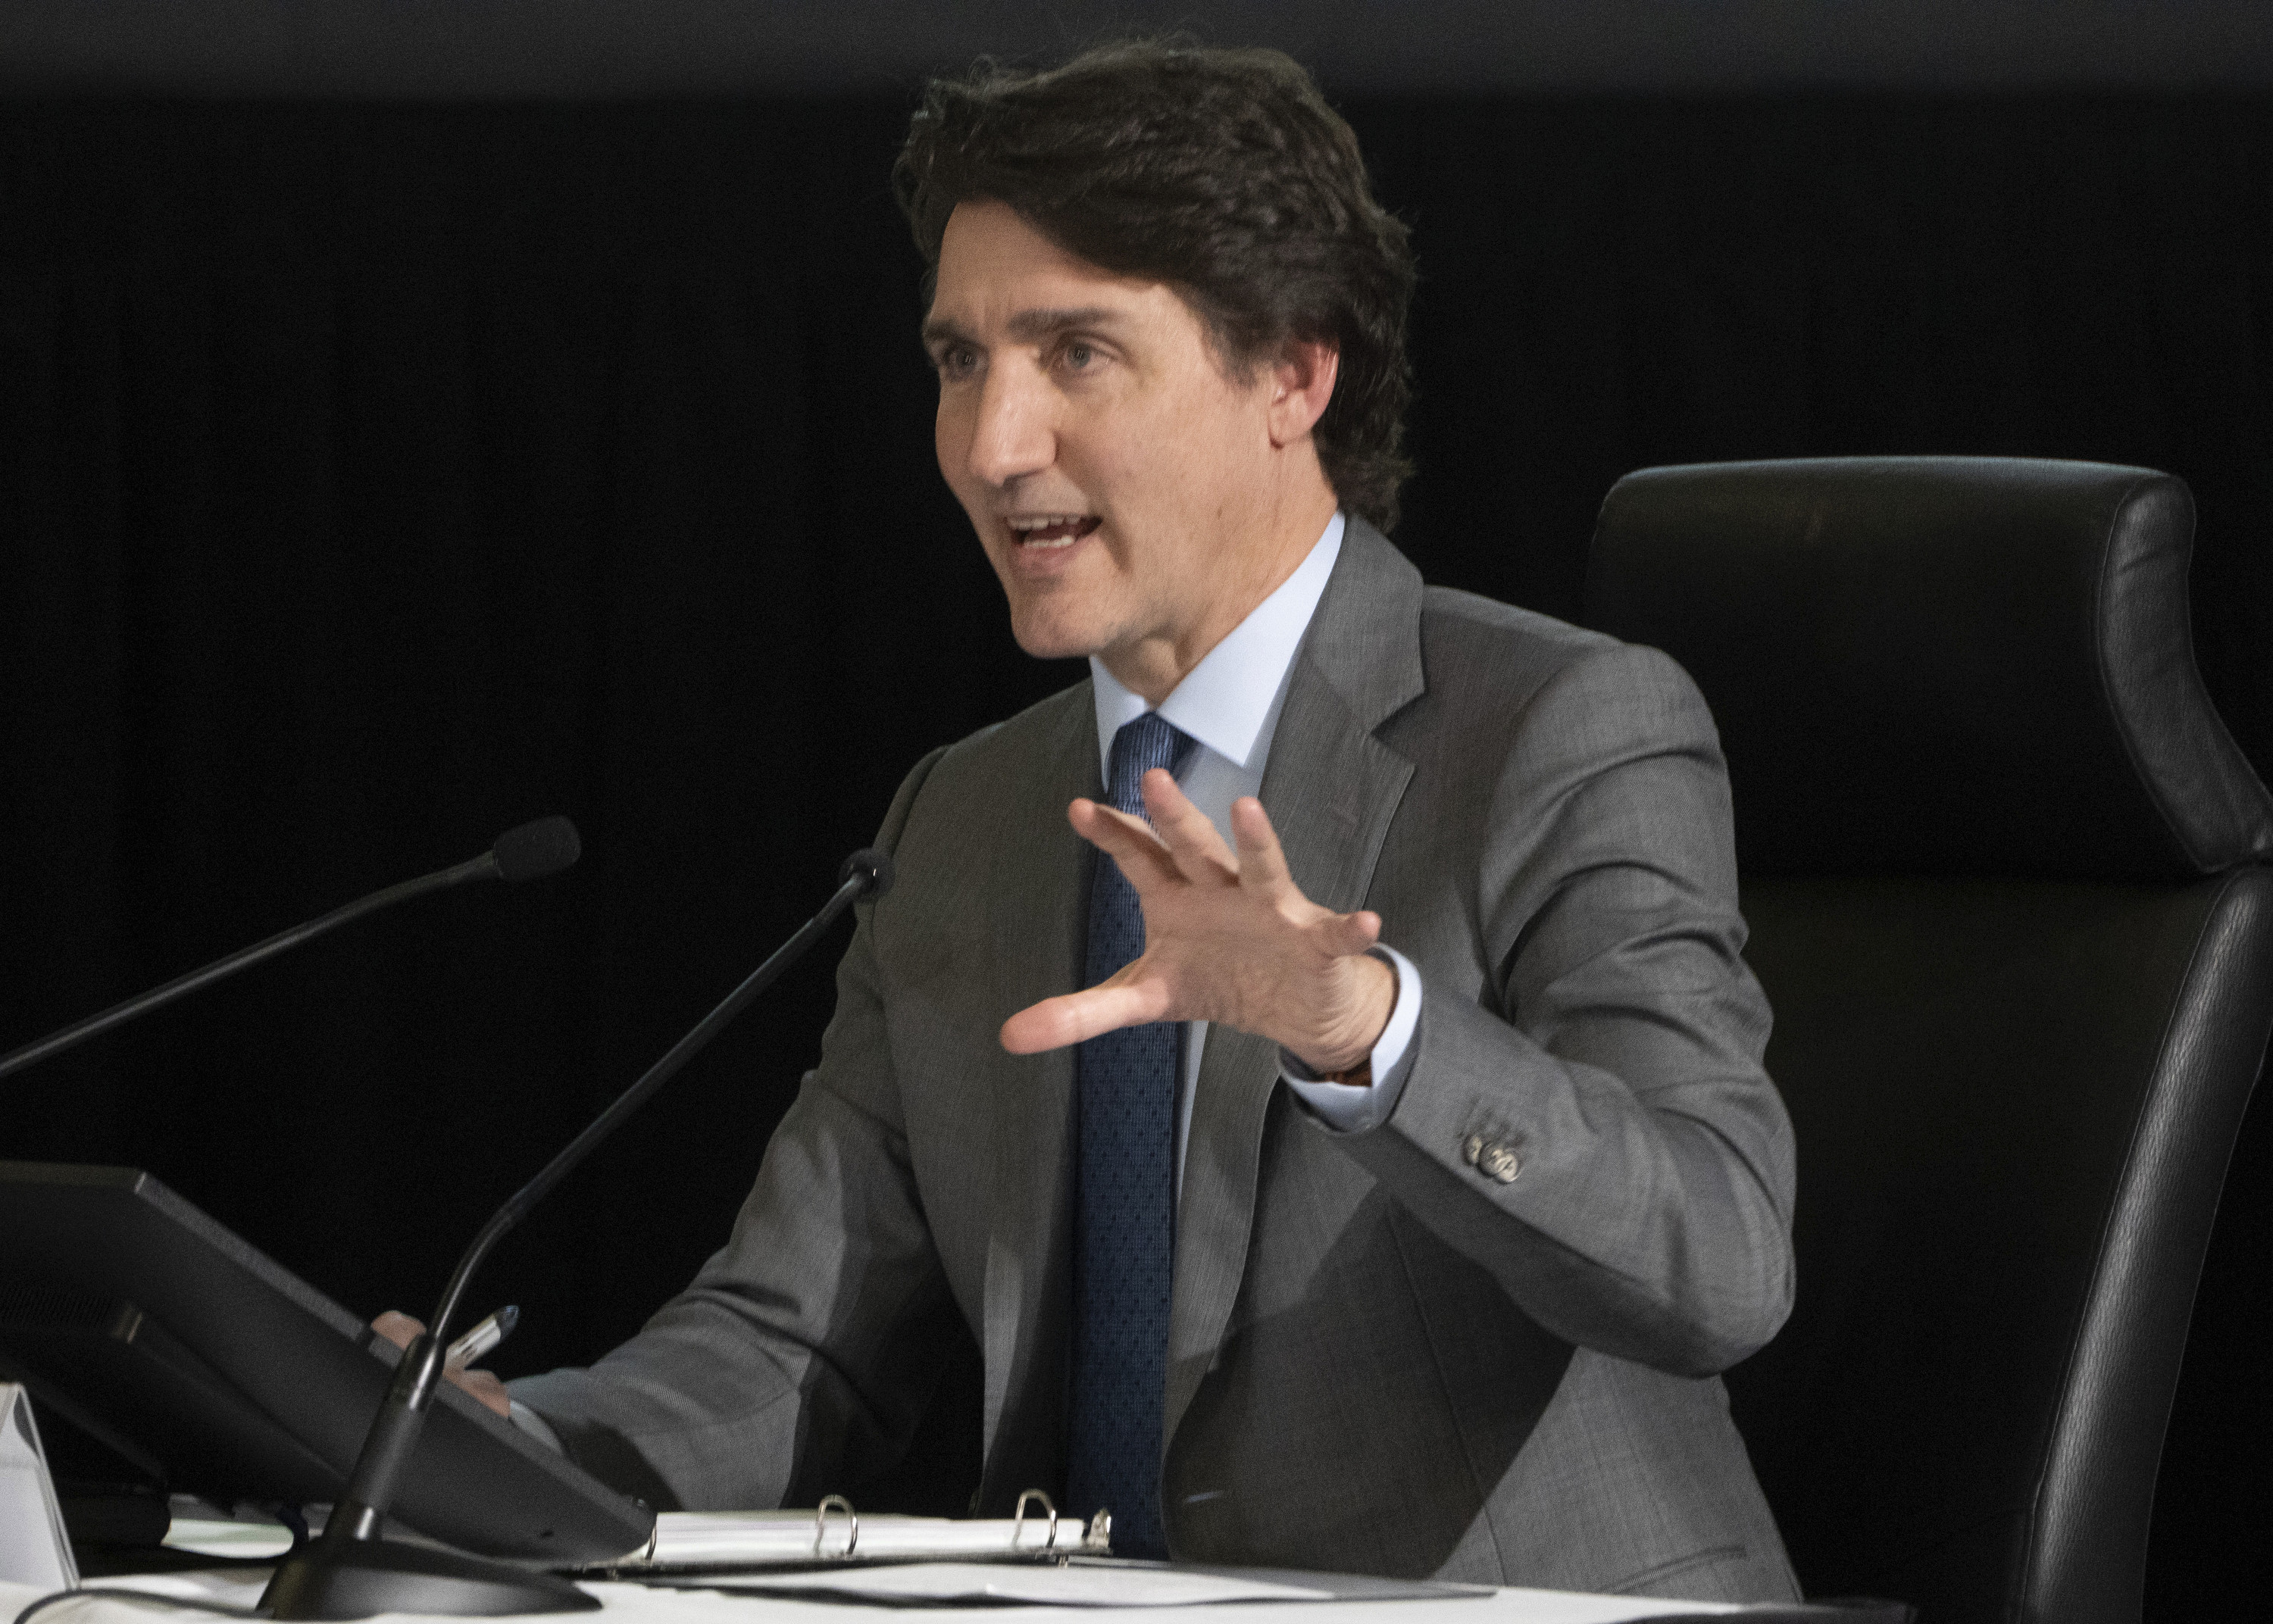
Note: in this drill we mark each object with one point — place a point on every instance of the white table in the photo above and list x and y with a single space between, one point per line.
639 1604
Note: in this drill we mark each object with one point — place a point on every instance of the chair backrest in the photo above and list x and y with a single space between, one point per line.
2008 879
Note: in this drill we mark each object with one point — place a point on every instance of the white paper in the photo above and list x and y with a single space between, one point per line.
639 1604
34 1548
1044 1584
213 1536
1580 1608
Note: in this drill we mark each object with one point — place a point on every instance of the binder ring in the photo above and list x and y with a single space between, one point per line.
1018 1519
820 1523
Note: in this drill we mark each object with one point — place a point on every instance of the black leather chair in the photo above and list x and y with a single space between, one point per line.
2007 882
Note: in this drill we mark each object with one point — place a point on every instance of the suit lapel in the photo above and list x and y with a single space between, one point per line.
1034 897
1331 789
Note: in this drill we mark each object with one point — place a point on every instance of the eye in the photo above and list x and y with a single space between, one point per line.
1079 358
957 361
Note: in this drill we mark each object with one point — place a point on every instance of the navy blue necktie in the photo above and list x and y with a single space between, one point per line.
1124 1203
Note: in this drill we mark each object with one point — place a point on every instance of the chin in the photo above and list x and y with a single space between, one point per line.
1056 647
1052 637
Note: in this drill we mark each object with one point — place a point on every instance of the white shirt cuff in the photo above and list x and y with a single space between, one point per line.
1351 1107
535 1426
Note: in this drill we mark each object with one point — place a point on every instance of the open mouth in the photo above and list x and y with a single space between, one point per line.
1044 531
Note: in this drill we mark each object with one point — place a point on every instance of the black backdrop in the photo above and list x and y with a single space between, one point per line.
372 478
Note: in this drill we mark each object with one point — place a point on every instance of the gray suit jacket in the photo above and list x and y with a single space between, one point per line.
1385 1355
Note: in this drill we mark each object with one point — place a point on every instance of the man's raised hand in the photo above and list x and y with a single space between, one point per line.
1228 940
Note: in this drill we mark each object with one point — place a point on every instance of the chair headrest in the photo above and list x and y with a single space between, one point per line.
1938 664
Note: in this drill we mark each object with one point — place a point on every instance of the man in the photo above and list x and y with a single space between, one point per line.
1369 1167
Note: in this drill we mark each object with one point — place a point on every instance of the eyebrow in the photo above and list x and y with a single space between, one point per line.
1028 325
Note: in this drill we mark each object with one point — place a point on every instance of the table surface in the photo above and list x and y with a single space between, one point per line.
639 1603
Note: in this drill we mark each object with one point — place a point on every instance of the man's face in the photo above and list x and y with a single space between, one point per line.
1126 490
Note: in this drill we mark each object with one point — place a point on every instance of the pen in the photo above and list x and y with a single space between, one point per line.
482 1338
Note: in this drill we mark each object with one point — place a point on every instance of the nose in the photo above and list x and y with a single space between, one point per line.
1014 433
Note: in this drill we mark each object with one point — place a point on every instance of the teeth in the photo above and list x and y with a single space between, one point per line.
1043 521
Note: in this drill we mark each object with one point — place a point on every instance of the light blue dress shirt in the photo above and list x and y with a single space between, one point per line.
1229 703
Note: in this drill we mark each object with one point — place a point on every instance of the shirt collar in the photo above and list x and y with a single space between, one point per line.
1224 700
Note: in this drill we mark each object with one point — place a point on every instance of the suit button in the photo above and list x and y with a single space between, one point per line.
1498 1164
1471 1147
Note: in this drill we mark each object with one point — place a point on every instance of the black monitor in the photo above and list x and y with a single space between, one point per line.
134 1317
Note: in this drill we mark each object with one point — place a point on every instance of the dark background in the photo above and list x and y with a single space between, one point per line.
383 462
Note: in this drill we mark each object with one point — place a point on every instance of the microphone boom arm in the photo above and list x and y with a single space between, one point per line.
632 1098
529 851
393 1431
482 867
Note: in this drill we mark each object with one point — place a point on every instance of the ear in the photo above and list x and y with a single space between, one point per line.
1301 382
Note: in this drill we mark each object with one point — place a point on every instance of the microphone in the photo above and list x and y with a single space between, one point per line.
352 1572
529 852
535 850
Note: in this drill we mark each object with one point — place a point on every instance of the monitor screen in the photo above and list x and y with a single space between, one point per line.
138 1319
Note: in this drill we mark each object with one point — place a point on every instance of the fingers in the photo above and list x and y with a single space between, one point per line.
484 1388
397 1328
1189 834
1076 1017
1129 841
1262 863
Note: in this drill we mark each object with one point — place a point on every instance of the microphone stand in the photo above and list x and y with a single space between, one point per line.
352 1572
528 853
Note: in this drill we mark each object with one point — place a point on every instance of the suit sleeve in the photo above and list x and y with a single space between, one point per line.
788 1360
1597 1130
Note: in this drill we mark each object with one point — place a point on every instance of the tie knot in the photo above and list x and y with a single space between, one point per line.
1137 748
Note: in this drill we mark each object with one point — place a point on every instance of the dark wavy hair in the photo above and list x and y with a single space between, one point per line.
1222 173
